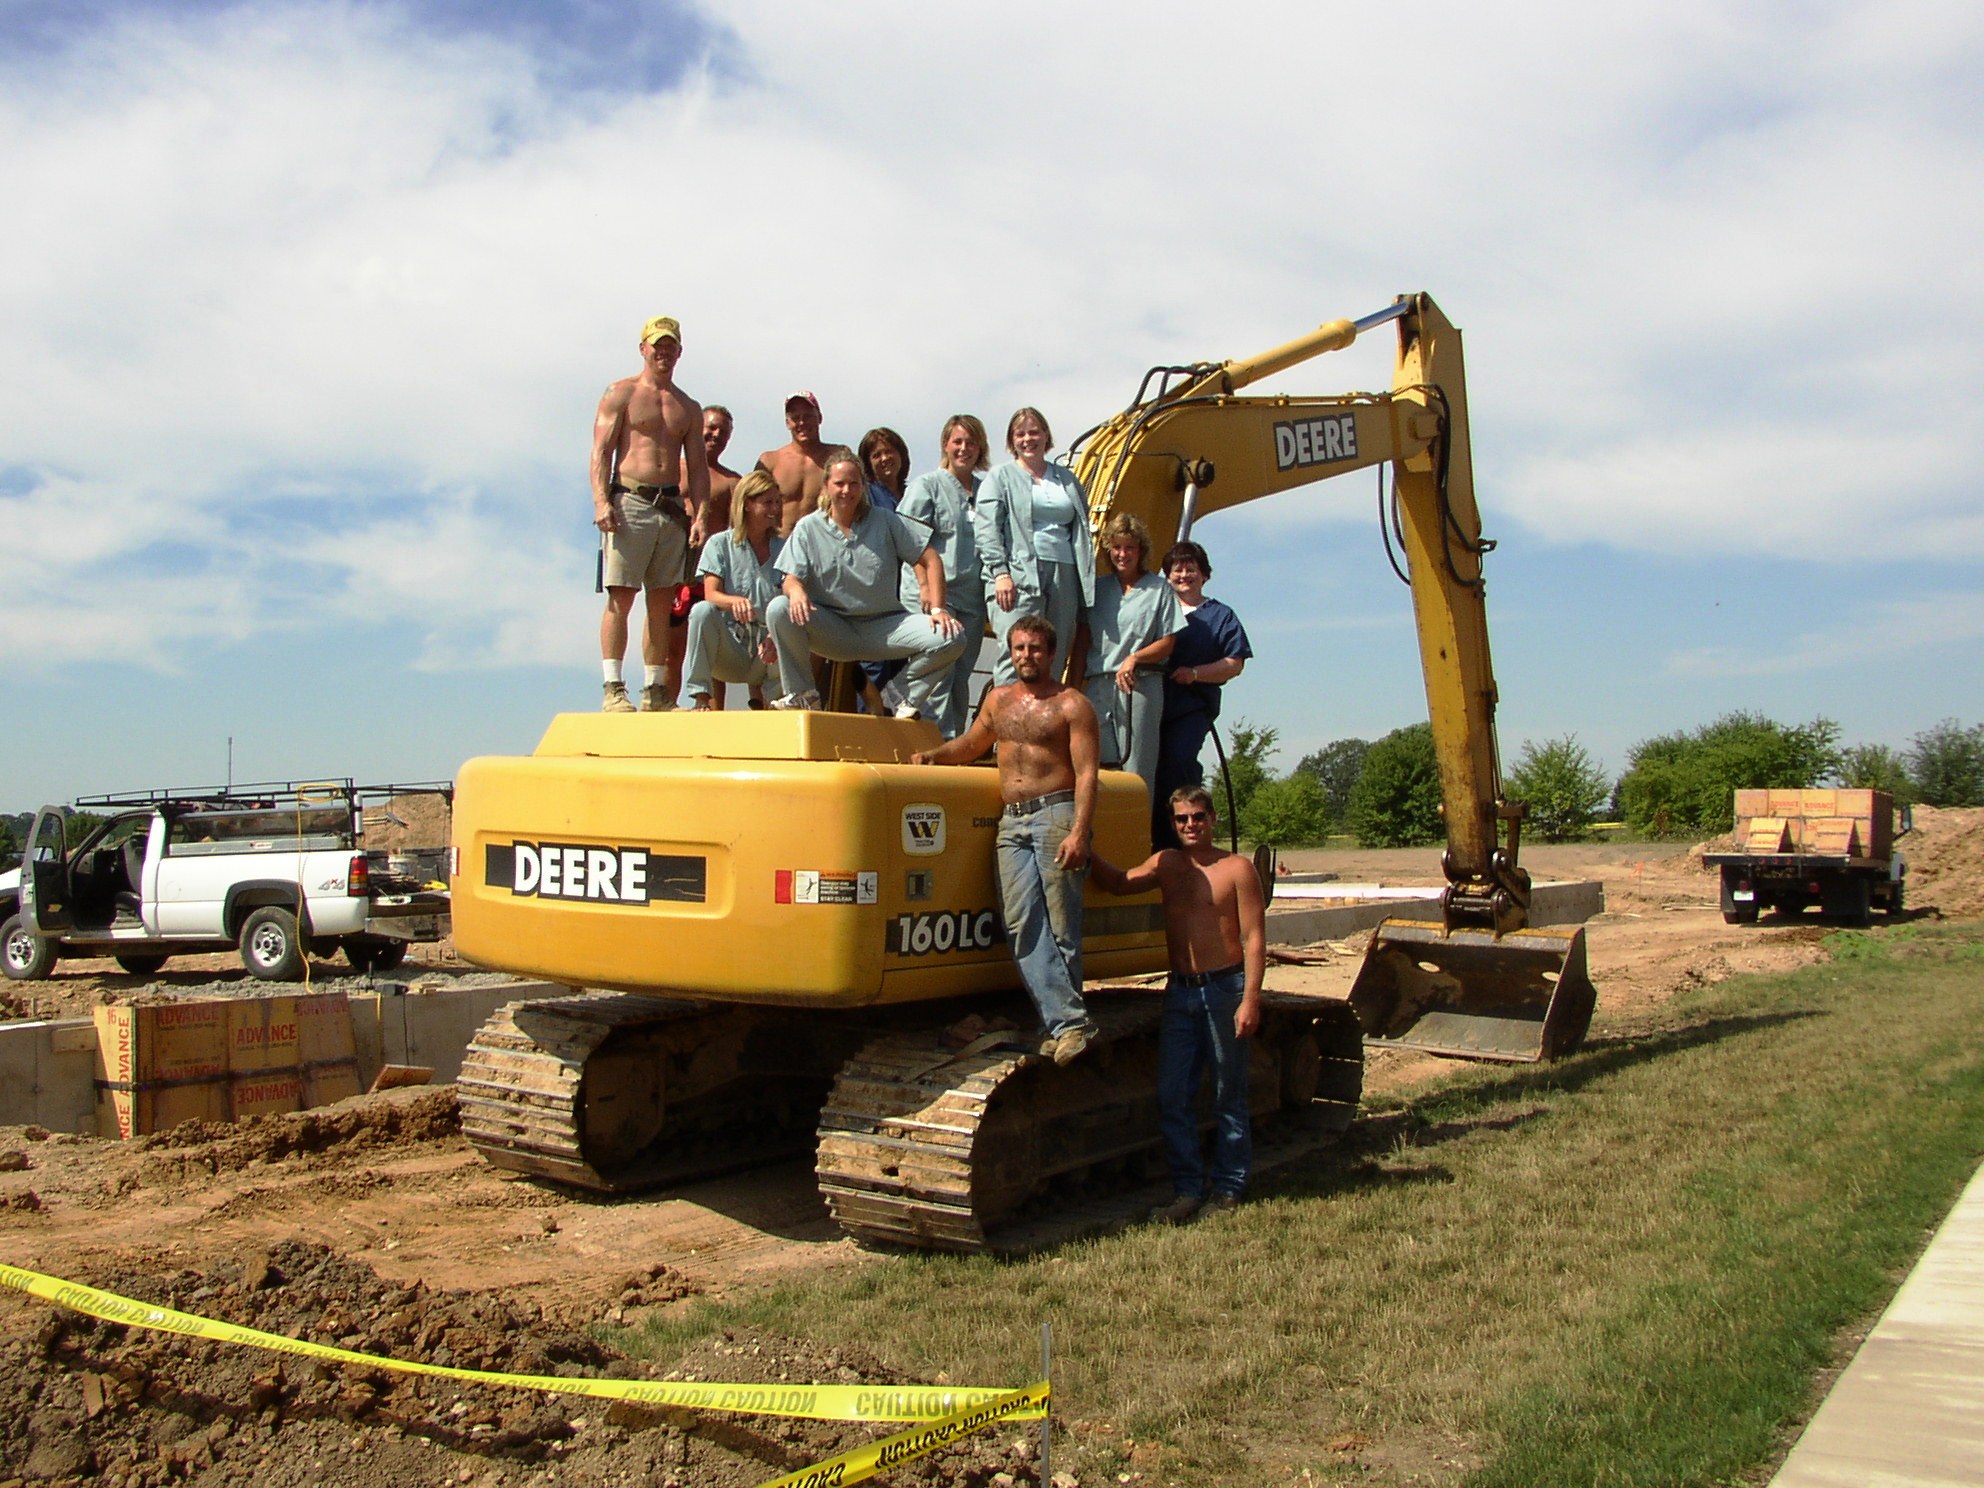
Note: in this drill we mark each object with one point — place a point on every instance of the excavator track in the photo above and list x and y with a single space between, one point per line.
615 1092
927 1144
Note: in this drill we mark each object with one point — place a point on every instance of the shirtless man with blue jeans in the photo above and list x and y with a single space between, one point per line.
1215 927
1048 746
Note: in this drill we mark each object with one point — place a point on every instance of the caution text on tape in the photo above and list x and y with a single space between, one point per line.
935 1405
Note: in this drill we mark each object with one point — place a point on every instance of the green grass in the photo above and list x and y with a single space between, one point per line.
1626 1268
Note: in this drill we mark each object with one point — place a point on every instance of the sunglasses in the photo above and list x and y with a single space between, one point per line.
1187 817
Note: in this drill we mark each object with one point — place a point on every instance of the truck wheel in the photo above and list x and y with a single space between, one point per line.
1894 901
374 955
1745 916
141 965
24 956
271 948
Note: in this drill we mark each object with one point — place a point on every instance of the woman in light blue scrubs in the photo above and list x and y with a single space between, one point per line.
1033 542
1122 646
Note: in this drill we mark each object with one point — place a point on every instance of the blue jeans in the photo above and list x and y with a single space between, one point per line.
1043 908
1197 1033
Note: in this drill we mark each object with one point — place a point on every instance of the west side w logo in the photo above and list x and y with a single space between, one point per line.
922 831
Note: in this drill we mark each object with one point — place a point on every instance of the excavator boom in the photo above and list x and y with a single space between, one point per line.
1483 983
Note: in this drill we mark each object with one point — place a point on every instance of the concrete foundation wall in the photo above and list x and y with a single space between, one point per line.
430 1027
47 1075
48 1069
1549 904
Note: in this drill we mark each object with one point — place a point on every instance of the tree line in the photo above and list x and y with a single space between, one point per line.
1386 792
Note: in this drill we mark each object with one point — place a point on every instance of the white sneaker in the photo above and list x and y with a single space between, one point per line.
798 701
898 705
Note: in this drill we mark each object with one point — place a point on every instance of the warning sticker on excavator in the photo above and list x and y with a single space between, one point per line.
936 1407
825 886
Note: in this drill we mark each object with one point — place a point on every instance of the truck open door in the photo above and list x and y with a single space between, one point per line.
45 906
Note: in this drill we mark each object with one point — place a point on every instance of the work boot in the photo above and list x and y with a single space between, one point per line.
1180 1211
1068 1047
1220 1203
656 698
616 699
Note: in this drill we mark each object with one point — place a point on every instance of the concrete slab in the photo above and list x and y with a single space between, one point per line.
1568 903
1908 1412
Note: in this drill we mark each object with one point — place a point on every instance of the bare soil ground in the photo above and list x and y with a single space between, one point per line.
372 1224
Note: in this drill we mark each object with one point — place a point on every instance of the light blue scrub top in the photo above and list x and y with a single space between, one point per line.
939 501
858 573
738 569
1120 623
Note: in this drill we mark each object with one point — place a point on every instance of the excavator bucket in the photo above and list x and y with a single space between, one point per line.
1523 996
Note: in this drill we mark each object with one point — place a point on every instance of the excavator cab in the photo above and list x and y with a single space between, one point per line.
1521 996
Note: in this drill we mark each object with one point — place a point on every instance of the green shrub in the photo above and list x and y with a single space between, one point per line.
1685 783
1876 767
1563 787
1247 751
1396 802
1287 813
1336 767
1947 764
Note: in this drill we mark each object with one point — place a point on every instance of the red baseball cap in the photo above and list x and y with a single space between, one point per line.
802 396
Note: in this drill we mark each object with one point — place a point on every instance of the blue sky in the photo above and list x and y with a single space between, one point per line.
304 309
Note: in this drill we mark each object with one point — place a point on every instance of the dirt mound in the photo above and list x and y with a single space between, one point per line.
392 1119
1945 856
83 1399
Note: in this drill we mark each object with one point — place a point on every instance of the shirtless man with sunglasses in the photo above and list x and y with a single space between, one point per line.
1215 927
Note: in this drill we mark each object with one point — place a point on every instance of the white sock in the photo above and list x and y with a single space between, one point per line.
611 670
654 675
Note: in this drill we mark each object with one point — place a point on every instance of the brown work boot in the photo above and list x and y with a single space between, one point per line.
1180 1211
1220 1203
1068 1047
617 700
657 699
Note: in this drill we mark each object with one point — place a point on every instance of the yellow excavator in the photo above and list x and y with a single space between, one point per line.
792 933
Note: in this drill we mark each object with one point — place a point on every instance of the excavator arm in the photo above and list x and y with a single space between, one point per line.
1483 982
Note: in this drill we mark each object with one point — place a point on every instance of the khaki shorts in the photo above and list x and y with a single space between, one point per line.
651 548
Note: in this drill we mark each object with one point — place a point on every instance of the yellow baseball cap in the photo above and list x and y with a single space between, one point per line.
661 325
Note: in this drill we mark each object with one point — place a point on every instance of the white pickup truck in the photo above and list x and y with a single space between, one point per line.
277 870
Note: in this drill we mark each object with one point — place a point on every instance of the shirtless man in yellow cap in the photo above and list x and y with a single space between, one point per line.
649 482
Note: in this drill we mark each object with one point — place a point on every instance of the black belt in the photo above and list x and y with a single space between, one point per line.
1206 978
1038 803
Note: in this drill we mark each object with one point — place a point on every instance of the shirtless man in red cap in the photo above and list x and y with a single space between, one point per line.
649 482
798 467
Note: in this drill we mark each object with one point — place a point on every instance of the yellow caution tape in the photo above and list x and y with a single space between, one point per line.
892 1451
817 1402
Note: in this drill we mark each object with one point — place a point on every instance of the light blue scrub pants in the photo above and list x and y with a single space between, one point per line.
950 700
714 652
1129 721
838 637
1061 604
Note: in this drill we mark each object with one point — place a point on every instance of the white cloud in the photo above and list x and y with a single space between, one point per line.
1883 633
1716 269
